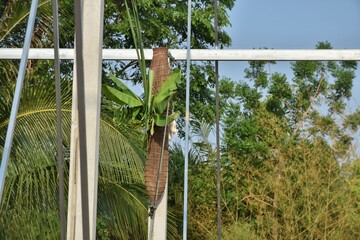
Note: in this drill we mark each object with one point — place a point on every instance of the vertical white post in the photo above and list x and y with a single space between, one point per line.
74 173
159 231
92 12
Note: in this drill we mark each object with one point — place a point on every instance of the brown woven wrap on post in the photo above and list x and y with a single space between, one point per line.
160 66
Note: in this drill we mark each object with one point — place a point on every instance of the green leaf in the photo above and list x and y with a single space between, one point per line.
161 121
161 106
121 97
167 89
148 94
135 112
171 81
132 214
122 86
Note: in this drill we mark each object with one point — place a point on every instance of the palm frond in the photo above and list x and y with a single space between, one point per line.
14 17
29 224
121 157
31 185
129 220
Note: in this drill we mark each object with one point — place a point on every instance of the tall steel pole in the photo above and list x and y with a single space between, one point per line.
187 120
17 96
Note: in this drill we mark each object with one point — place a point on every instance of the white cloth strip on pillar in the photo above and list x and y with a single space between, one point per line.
200 54
17 96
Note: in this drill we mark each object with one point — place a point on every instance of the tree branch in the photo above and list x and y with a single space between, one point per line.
309 108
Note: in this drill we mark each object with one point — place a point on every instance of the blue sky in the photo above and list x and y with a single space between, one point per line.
293 24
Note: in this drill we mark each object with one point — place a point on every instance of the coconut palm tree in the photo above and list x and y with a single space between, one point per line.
31 183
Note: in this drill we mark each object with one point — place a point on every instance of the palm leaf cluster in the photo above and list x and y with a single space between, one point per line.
31 189
13 22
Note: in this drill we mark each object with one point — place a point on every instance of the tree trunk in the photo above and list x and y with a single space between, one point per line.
155 185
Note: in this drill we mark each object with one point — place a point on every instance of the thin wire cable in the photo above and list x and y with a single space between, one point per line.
55 9
218 176
17 96
82 119
187 120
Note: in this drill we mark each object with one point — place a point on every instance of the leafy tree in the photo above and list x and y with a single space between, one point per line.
352 169
287 145
283 149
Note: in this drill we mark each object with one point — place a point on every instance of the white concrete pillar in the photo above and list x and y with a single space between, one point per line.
157 230
92 11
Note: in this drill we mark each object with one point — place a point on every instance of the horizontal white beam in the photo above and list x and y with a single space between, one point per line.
199 54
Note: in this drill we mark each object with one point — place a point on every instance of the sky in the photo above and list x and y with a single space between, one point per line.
293 24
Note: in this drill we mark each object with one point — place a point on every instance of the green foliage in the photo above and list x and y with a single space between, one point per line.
149 111
164 23
202 96
256 72
284 139
14 17
124 96
202 180
352 121
29 207
288 165
286 189
240 231
283 156
353 169
167 89
15 224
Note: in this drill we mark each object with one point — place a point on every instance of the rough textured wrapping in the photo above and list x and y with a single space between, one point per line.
161 68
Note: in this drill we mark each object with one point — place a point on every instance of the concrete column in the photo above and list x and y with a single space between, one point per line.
157 226
92 11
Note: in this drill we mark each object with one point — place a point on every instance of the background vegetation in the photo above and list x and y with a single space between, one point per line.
289 163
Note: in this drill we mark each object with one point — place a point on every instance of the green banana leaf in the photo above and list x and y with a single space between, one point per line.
170 84
122 86
167 89
121 97
148 94
161 120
